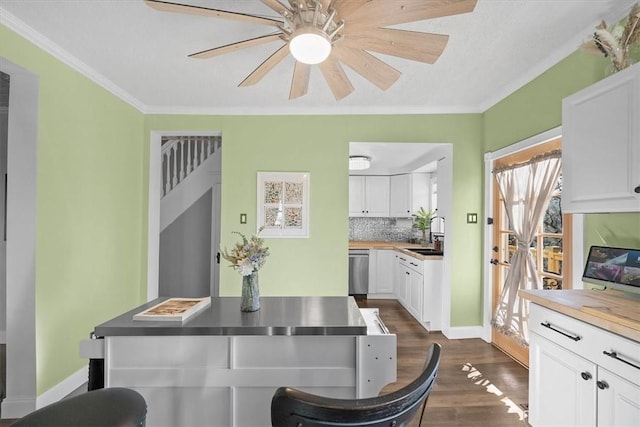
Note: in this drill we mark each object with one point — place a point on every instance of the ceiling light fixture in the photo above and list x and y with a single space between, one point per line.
359 162
311 31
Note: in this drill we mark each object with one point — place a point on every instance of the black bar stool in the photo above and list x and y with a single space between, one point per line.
108 407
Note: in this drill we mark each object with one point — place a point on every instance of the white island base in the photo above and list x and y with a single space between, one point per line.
229 381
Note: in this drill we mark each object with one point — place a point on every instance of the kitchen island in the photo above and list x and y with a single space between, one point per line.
221 367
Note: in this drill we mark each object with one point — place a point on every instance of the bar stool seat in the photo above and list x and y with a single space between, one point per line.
108 407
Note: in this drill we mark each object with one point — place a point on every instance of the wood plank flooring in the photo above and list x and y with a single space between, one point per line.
477 384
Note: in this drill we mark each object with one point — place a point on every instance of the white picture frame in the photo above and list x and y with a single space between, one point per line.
283 204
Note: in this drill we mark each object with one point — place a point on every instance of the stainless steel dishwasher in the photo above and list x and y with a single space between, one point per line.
358 272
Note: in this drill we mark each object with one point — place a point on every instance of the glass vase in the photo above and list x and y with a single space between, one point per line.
250 300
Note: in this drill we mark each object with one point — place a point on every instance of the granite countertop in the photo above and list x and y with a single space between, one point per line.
398 246
277 316
614 311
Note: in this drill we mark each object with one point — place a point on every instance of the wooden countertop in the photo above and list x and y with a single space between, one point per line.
371 244
614 311
398 246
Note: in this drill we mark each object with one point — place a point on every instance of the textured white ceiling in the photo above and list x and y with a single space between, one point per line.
141 55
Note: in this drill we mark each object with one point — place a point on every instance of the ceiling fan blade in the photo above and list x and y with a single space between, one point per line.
344 8
382 13
213 13
300 81
276 6
368 66
336 78
209 53
413 45
262 70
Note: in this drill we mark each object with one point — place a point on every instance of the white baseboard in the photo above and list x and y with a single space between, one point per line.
12 407
463 332
3 337
63 388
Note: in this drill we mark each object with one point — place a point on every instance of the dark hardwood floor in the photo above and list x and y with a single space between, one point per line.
477 384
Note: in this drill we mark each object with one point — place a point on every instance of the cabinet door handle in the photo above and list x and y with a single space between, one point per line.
602 385
585 376
614 355
573 337
637 189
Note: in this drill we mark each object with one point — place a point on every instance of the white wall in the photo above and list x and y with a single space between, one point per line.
4 117
21 242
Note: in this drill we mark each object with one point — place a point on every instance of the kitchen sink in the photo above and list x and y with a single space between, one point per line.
424 251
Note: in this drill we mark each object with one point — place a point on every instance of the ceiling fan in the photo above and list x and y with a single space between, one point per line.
330 33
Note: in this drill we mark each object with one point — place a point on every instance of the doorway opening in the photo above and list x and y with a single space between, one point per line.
184 214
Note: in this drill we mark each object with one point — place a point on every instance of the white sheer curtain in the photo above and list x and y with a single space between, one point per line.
526 190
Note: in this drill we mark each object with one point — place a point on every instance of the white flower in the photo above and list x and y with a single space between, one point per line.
245 267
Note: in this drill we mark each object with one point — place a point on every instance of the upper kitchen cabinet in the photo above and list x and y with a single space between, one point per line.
408 192
369 196
601 146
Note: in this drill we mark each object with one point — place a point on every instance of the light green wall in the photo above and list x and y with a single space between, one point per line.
320 145
89 208
92 193
537 107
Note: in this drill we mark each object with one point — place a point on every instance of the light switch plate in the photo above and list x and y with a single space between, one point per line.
243 218
472 218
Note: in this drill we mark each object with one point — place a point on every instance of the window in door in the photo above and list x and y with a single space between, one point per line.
551 255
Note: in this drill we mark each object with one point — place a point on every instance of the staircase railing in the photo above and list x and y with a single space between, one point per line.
181 155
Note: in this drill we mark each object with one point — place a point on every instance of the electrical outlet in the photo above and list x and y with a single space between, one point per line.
243 218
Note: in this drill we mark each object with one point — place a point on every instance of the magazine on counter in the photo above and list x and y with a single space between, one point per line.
176 309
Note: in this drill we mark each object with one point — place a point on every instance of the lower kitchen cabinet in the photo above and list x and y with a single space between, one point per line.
418 288
562 386
381 272
579 374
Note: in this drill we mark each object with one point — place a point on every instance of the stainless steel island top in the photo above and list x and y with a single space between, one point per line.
277 316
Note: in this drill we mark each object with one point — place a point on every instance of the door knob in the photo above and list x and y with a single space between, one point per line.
602 385
637 189
585 376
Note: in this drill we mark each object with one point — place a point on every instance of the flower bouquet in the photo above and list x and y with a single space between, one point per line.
614 42
247 257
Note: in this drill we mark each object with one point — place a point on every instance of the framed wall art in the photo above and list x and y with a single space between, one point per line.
283 204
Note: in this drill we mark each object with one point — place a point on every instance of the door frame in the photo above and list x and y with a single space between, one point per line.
577 244
22 166
153 225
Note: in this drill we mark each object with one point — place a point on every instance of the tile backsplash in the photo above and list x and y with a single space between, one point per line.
382 229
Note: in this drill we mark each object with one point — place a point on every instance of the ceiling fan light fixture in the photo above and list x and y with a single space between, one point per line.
359 162
310 45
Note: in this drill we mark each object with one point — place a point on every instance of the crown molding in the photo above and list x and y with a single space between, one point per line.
12 22
15 24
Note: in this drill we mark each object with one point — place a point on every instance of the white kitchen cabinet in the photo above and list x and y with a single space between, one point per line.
580 375
618 400
562 386
381 271
601 146
432 293
418 287
402 273
407 193
368 196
